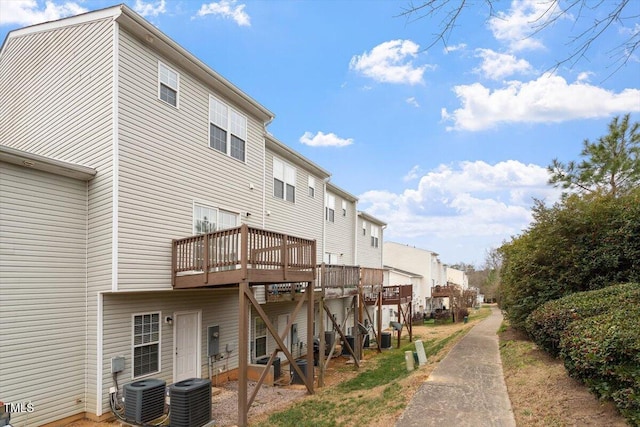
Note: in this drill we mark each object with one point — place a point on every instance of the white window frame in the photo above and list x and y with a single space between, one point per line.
364 227
167 81
344 208
312 187
286 175
375 236
232 123
149 343
220 222
330 211
256 337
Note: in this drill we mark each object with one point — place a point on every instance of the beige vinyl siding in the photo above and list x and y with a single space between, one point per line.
369 256
56 101
219 307
42 288
340 234
303 218
166 164
273 310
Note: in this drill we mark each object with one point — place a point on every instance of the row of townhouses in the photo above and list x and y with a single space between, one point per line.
152 227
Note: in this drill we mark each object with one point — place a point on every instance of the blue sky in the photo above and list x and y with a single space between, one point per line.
448 144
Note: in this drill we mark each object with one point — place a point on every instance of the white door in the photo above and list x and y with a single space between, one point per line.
283 319
186 359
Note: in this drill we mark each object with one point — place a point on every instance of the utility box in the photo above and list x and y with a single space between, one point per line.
213 340
117 364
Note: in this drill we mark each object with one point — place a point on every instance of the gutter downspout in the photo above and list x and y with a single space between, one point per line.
264 172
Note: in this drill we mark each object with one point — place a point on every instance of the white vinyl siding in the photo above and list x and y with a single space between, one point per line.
168 85
369 245
219 307
79 129
340 230
227 129
155 182
43 271
304 218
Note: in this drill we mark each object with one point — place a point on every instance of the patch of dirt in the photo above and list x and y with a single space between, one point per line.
542 393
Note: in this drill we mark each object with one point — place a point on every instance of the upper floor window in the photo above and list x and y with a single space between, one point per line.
227 129
169 82
312 186
344 208
364 227
284 181
330 210
375 235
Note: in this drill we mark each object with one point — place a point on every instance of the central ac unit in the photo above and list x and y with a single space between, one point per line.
144 400
190 403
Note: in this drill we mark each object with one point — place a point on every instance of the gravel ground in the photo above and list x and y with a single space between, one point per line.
269 399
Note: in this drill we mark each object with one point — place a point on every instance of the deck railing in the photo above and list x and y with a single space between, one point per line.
245 249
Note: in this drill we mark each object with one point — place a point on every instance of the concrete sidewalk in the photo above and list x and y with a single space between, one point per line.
467 387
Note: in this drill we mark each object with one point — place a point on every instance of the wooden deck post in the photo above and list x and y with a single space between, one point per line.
243 352
310 313
321 330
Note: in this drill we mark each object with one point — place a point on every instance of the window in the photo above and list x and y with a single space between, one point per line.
259 337
284 181
364 228
312 187
227 130
344 208
330 210
168 85
208 219
375 234
146 344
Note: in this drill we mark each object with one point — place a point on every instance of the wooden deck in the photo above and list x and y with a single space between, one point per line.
391 295
242 254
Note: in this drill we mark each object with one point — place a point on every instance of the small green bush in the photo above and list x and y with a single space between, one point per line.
597 334
547 323
604 352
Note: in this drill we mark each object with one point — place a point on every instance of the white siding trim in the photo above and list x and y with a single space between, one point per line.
86 299
115 154
99 355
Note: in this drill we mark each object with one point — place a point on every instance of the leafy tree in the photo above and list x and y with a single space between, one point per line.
583 242
611 164
622 12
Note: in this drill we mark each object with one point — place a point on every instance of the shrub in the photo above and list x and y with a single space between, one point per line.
547 323
604 352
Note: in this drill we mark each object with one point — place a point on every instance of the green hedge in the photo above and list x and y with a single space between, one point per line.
547 323
597 334
604 352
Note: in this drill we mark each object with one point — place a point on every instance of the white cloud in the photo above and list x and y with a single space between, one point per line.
154 8
321 139
497 65
27 12
227 9
548 99
448 49
390 62
412 174
470 206
412 101
517 26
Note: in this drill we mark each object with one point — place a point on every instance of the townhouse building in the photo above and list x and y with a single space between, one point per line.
149 221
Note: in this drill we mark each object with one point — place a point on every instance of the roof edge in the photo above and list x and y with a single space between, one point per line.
46 164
